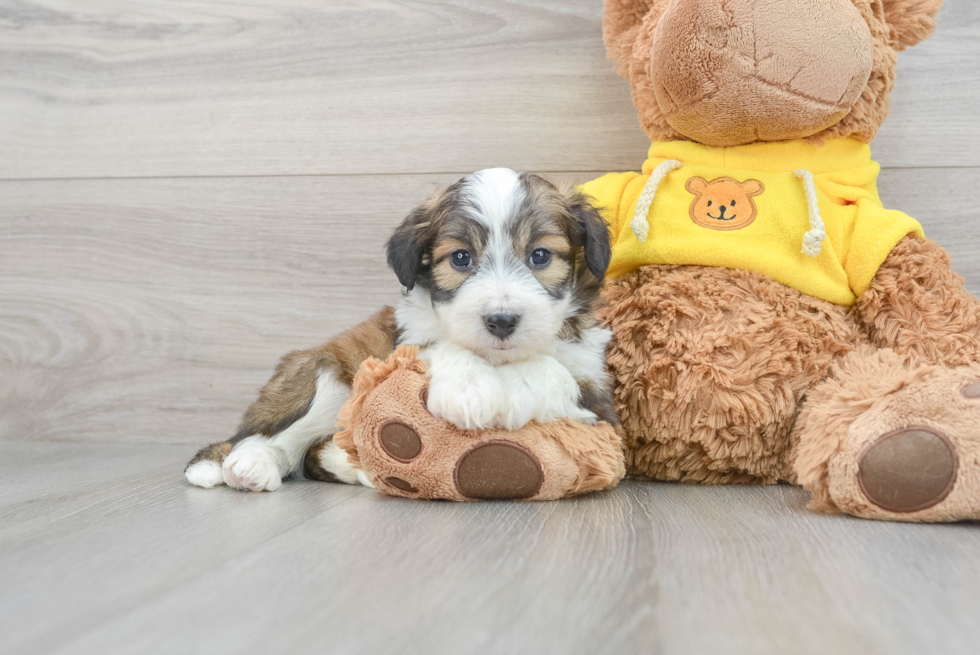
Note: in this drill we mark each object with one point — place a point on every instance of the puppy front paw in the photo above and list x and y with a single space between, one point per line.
470 404
586 417
517 416
252 468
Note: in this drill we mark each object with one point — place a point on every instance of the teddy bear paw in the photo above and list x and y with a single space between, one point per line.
915 455
493 469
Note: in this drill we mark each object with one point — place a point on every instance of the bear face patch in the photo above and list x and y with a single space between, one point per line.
723 203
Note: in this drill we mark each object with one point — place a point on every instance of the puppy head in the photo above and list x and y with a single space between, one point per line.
507 261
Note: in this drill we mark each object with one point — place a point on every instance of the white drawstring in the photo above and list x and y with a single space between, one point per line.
816 235
639 223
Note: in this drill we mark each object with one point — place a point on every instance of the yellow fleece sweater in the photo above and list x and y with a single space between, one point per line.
805 215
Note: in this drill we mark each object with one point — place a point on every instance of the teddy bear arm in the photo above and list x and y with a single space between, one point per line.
916 305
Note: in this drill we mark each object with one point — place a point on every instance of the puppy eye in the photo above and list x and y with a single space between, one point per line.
709 203
540 257
460 259
733 203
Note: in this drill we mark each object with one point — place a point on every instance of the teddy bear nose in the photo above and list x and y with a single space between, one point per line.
729 73
502 325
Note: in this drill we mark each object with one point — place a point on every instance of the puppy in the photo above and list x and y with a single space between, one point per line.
501 273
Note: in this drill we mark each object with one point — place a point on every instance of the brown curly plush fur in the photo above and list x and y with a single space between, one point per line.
711 366
629 27
917 306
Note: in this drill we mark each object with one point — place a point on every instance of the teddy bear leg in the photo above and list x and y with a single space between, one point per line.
887 440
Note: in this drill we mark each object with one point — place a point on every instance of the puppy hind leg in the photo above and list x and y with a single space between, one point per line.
260 463
296 409
327 462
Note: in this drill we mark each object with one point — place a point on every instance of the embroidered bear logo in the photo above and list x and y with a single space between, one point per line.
723 203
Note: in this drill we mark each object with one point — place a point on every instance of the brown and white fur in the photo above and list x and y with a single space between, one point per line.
501 273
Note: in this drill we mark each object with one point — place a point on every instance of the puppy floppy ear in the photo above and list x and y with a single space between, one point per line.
407 245
591 233
911 21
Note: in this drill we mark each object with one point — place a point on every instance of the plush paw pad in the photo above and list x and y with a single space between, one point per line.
398 483
498 470
908 470
400 441
971 391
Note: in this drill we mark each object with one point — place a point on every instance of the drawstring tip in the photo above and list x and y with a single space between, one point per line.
812 241
815 236
640 224
640 229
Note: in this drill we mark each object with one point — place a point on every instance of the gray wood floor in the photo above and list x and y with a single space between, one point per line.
103 549
189 189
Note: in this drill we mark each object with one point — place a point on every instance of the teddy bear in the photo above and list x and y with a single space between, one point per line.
772 321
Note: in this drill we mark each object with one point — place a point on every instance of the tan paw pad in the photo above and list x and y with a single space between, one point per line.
401 442
971 391
498 470
398 483
908 470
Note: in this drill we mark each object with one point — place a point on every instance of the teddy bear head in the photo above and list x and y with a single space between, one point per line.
732 72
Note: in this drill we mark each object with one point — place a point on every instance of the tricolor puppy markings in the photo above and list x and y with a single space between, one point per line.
501 273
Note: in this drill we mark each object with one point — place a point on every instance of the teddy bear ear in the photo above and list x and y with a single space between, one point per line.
753 187
696 185
621 20
911 21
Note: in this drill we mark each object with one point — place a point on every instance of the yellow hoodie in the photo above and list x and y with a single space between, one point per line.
805 215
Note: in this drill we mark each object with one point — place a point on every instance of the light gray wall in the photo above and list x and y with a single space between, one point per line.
188 190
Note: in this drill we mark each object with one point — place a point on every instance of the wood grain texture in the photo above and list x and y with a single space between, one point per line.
152 310
84 548
283 87
142 563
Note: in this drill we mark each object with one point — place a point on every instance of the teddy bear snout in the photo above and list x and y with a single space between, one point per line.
727 73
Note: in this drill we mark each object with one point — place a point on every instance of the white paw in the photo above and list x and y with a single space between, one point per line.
363 479
585 416
470 405
205 474
334 460
570 410
540 389
518 415
253 467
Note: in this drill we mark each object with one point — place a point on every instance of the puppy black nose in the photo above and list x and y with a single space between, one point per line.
502 325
